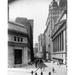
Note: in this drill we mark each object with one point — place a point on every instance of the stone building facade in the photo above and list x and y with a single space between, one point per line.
51 20
41 45
36 48
28 23
19 49
59 39
55 11
47 42
40 42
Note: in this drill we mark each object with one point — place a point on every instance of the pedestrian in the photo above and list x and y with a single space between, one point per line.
32 72
41 73
35 73
36 63
53 70
49 73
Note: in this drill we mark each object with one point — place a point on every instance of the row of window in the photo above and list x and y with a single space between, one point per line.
18 39
58 43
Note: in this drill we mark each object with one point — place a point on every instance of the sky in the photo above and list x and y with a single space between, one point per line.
31 9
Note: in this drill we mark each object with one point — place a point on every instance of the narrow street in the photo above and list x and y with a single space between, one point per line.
37 37
59 70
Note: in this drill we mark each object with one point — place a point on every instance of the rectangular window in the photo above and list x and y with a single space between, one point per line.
58 43
18 39
53 46
21 39
14 38
62 41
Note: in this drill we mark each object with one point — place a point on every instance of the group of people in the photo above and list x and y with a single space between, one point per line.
38 61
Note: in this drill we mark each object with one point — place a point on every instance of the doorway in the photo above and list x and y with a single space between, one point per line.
18 56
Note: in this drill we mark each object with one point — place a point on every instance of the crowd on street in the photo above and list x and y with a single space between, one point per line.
50 68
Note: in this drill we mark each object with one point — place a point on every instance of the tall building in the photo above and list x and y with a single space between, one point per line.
41 42
55 11
10 1
44 46
62 3
51 20
29 26
19 52
59 38
47 43
36 49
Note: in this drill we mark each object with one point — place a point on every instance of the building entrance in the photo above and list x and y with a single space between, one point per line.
18 56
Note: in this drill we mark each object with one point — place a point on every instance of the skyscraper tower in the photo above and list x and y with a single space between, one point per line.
62 3
56 8
53 13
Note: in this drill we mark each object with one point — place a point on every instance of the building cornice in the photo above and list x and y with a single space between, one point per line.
15 23
14 32
10 43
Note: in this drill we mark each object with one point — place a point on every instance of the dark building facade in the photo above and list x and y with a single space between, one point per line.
35 49
42 45
29 26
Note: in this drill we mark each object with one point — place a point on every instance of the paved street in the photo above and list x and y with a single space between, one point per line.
59 70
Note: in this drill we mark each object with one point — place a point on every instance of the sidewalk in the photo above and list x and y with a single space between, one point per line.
59 70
